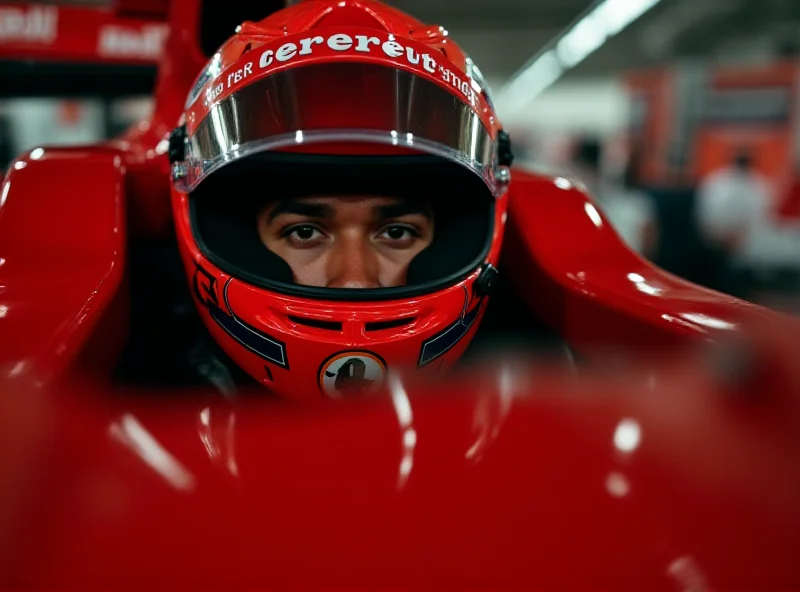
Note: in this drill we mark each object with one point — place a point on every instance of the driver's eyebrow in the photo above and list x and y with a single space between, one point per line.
400 209
309 209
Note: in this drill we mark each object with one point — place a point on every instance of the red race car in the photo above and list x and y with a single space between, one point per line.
602 425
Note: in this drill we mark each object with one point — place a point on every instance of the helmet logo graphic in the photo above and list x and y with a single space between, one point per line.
352 373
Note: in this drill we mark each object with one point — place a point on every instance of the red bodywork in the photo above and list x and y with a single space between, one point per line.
666 480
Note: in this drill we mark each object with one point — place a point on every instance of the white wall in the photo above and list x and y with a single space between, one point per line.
36 122
544 131
591 106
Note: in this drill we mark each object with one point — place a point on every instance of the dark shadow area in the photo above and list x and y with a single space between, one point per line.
509 327
70 81
168 344
219 19
681 249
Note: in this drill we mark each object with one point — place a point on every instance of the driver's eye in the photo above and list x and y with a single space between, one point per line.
304 232
303 236
396 232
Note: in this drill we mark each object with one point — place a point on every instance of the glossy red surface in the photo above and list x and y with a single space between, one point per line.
533 483
658 481
62 255
789 210
592 289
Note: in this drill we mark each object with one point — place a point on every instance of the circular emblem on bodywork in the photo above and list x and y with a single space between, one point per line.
351 373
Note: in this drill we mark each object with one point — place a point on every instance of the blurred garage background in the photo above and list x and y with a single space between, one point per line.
681 116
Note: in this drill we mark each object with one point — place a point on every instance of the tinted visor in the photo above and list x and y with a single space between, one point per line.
335 103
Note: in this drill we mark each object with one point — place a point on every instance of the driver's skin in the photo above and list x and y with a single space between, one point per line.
347 241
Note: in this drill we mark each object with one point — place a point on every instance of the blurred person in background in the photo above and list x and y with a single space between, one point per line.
732 208
587 165
629 209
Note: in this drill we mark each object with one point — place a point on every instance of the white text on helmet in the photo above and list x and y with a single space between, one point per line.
342 42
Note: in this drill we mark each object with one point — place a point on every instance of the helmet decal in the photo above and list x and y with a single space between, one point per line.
443 341
256 341
343 42
210 73
351 373
477 76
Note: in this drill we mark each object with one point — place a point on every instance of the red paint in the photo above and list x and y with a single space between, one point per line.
592 289
62 246
789 209
504 482
527 489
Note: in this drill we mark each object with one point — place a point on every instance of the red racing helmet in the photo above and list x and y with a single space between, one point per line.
338 97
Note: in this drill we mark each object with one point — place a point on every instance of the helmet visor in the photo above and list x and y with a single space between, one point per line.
342 102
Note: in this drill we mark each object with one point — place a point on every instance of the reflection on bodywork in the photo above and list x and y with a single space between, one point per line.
627 436
217 430
490 414
707 321
687 574
617 485
405 418
132 434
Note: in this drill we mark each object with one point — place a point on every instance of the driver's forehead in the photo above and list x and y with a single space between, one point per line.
356 201
335 206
